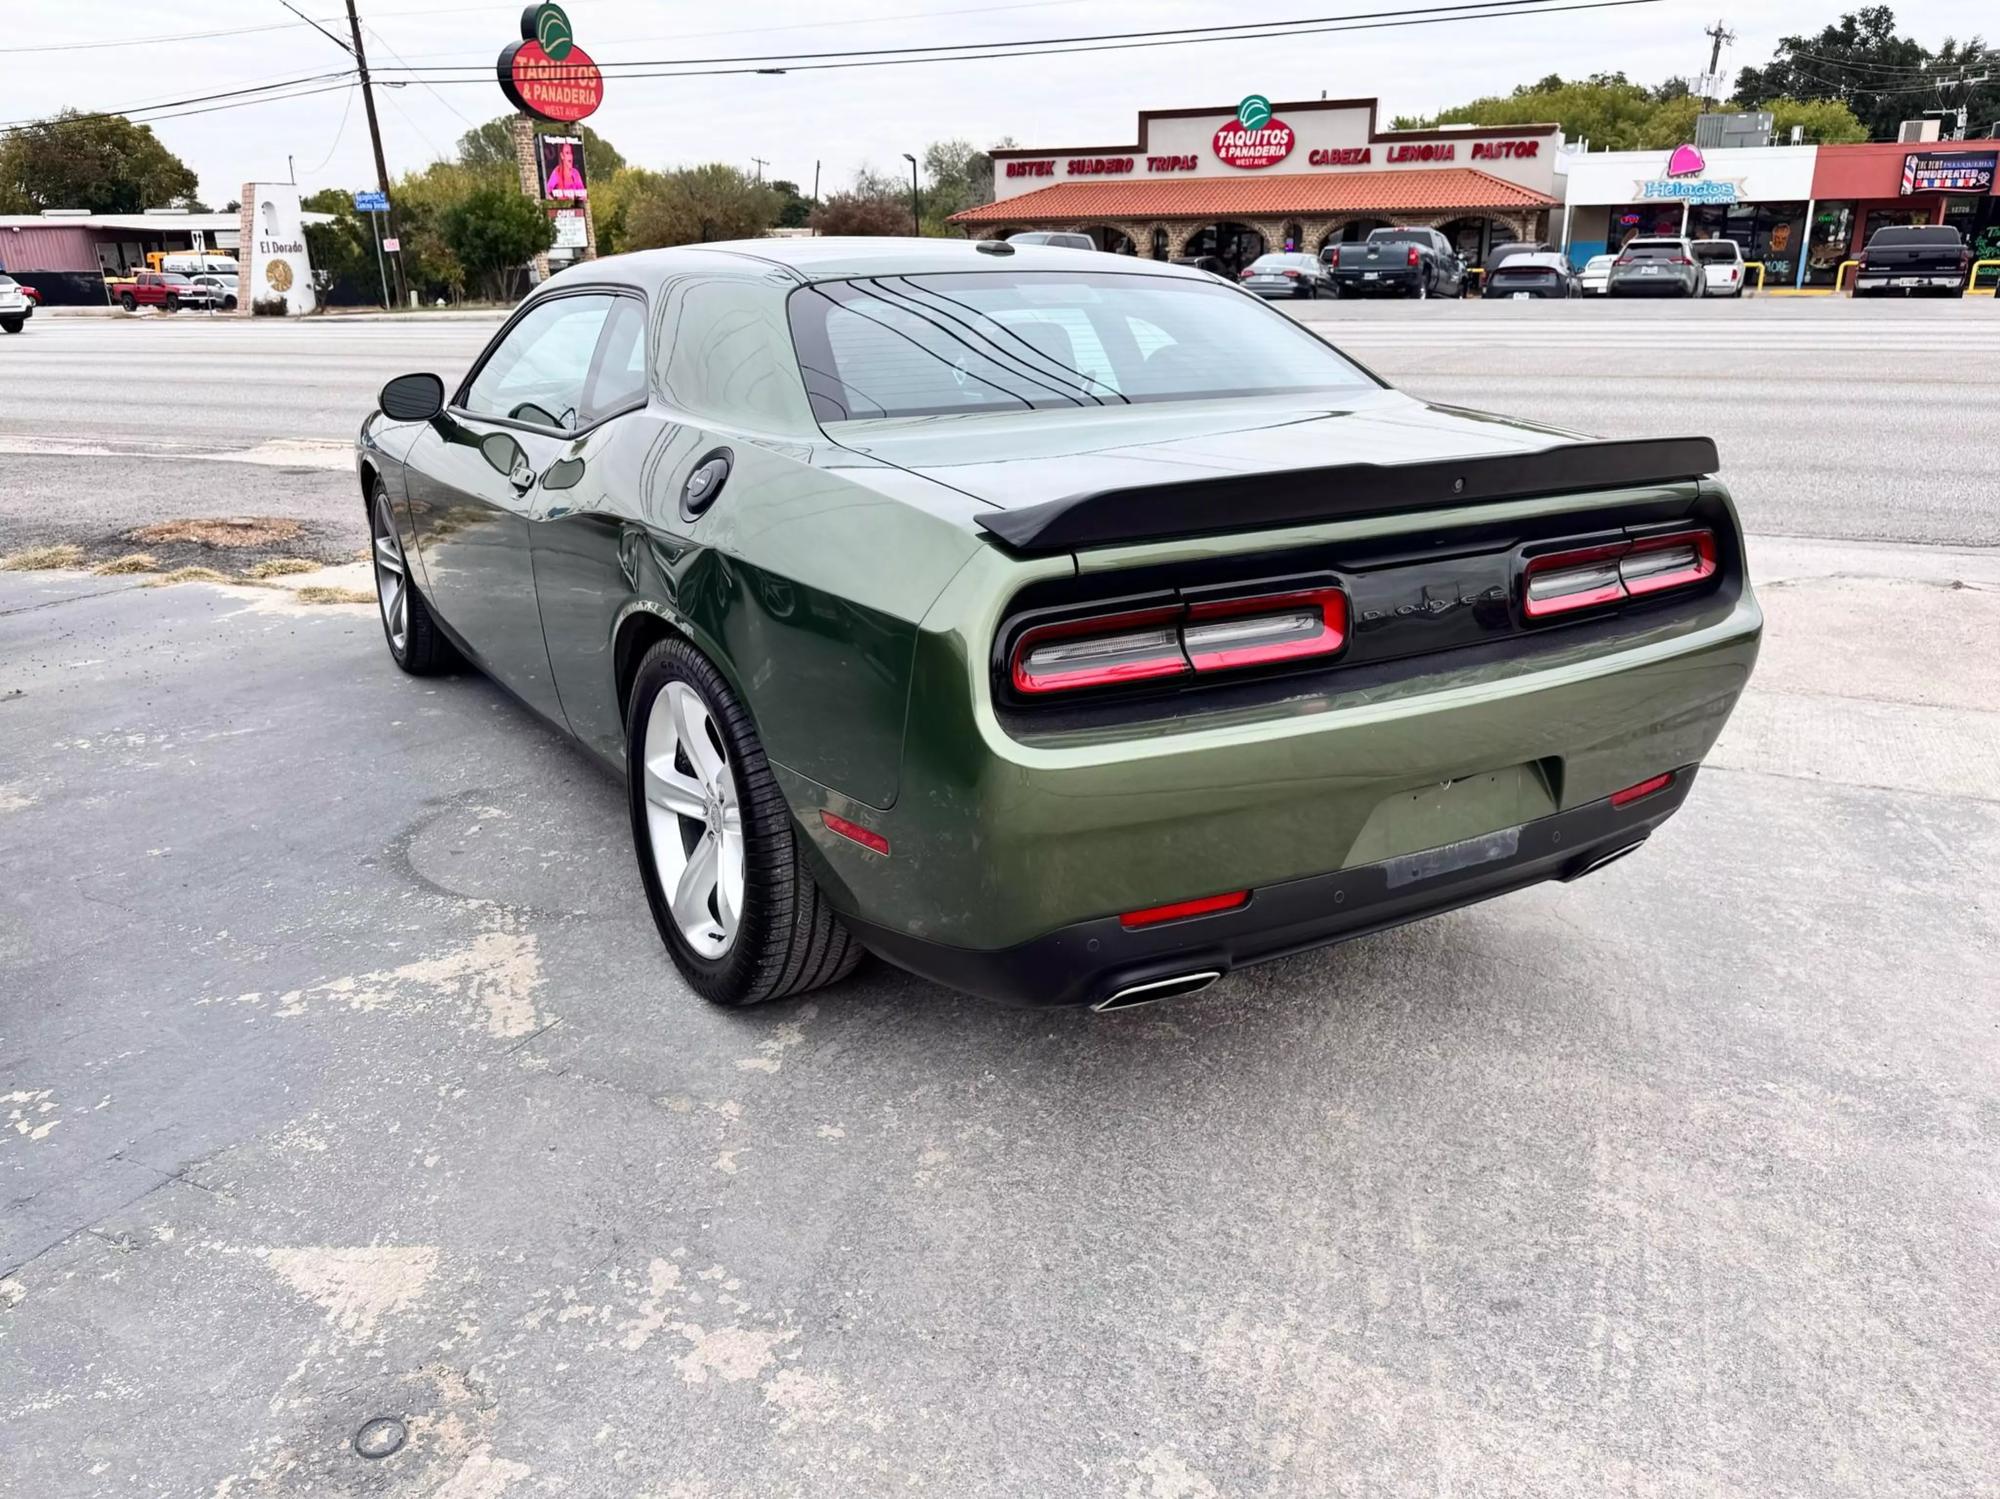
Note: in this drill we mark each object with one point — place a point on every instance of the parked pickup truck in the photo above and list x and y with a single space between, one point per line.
1408 262
1913 257
166 289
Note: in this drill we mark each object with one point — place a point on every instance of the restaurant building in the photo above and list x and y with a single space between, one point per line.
1238 181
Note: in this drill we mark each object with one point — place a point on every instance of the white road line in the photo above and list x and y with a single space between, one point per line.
297 452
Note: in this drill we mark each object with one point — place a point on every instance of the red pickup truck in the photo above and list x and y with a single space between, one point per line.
166 289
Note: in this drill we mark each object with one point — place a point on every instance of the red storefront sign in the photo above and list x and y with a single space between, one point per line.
537 84
1236 145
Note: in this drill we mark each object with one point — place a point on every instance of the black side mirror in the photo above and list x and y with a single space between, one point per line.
412 398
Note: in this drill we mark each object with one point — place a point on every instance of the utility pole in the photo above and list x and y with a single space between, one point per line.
761 164
375 134
1720 33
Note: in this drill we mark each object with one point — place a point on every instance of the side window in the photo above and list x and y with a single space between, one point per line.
539 371
619 379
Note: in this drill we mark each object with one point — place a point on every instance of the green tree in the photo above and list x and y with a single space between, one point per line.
340 251
1823 122
493 232
793 206
103 163
697 205
1882 77
491 146
1613 113
957 176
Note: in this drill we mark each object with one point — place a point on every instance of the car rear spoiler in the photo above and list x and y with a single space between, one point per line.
1254 502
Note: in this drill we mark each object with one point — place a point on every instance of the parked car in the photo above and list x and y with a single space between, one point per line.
30 299
1656 268
1914 257
221 289
1121 662
1060 241
1409 262
1506 250
1721 262
1284 275
15 308
169 290
1204 263
1596 274
1542 274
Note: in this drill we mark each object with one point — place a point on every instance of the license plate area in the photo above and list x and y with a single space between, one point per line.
1430 820
1467 853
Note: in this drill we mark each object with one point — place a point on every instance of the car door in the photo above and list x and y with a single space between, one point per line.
474 479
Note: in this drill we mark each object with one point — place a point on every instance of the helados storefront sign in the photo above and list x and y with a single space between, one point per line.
1684 182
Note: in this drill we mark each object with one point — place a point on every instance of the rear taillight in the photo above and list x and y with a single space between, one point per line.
1100 652
1179 639
1679 260
1623 260
1291 275
1259 631
1564 582
1415 258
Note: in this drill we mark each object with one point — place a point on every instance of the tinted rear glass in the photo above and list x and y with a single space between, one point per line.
1724 250
1027 340
1400 237
1653 249
1936 235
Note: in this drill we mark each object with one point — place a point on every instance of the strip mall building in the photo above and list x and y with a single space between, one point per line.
1238 181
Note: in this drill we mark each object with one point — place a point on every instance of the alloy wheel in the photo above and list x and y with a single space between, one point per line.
695 819
392 577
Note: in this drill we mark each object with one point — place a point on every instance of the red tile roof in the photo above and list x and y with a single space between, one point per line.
1439 190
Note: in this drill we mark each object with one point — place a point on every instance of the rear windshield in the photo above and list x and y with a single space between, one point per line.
1716 250
1655 249
1399 237
932 345
1942 234
1281 262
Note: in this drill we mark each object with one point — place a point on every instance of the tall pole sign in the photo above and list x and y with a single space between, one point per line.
547 76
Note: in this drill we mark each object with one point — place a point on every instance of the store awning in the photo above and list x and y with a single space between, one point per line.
1299 194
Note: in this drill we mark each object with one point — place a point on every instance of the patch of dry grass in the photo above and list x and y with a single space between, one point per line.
282 567
317 593
39 559
131 562
235 532
190 575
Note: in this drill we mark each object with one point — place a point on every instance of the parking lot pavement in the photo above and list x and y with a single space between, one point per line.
342 1075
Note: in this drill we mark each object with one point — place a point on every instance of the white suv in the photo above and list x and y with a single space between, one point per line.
1721 262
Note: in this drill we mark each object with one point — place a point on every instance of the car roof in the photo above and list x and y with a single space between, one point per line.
837 259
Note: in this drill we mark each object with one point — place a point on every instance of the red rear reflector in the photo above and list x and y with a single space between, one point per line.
1632 794
1203 906
1272 627
1098 652
1415 258
868 838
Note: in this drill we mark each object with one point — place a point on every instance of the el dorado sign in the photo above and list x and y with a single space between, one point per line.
546 73
1253 139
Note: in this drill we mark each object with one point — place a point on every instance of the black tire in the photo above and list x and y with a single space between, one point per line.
788 940
14 324
426 651
172 302
127 301
228 304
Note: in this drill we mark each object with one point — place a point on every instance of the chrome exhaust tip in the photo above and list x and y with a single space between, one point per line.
1591 866
1154 990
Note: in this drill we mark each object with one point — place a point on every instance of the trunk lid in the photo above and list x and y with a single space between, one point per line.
1014 460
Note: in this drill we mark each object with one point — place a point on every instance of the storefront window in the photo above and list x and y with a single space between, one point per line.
1772 234
1890 218
1643 221
1832 230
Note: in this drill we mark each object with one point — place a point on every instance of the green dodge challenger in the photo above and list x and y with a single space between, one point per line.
1066 628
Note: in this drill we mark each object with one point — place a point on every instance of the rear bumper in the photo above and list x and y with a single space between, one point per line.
1909 280
1669 286
1090 962
1402 278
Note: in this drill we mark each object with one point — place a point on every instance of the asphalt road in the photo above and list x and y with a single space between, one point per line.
341 1075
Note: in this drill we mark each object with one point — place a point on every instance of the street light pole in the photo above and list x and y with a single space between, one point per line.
374 129
916 203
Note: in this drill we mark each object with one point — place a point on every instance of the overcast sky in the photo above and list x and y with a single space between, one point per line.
844 119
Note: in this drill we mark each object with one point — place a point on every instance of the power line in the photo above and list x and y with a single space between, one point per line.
137 109
1407 19
1183 33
